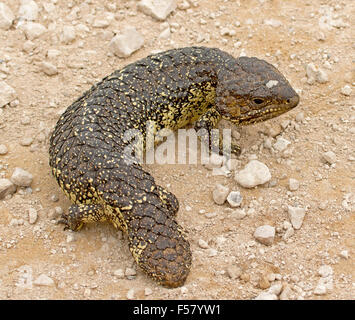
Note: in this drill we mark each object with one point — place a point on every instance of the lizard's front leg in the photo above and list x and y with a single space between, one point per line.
208 121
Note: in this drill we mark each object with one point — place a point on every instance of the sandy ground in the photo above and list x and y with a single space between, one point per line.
95 263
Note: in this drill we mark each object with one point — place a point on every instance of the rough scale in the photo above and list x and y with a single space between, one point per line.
173 88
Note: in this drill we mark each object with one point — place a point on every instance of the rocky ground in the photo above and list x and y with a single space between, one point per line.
291 237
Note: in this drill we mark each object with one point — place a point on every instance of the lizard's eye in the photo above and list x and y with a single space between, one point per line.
258 101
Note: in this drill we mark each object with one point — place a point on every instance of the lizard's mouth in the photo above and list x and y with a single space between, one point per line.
262 114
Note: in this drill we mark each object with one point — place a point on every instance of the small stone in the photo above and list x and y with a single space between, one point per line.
26 141
21 177
119 273
3 150
266 296
43 280
273 23
320 290
70 238
281 144
28 46
130 294
130 273
148 291
28 10
32 215
165 34
6 188
254 173
265 234
220 194
235 199
300 117
7 94
53 53
158 9
275 288
68 34
129 41
203 244
238 214
288 234
48 68
264 283
33 30
330 157
296 216
315 74
215 161
344 253
6 16
325 271
346 90
234 272
293 184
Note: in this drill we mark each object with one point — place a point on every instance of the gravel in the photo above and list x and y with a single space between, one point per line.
129 41
33 30
235 199
158 9
43 280
28 10
329 157
254 173
346 90
220 194
21 177
265 234
7 94
6 17
6 188
296 216
3 150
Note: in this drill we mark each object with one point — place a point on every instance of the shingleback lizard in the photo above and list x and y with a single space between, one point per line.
173 88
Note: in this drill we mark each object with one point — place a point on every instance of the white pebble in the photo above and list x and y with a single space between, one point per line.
32 215
130 294
7 94
293 184
68 35
43 280
296 216
254 173
48 68
220 194
6 188
346 90
281 144
21 177
3 150
158 9
265 234
329 157
28 10
325 271
344 254
33 30
315 74
124 44
238 214
6 16
203 244
235 199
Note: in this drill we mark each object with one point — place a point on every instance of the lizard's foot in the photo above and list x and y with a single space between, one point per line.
79 214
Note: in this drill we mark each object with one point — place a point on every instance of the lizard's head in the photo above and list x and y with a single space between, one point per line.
253 90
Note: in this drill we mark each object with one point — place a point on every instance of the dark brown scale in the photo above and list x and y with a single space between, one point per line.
171 88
